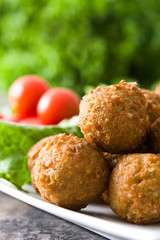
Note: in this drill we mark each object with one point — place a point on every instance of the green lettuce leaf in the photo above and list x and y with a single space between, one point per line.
16 140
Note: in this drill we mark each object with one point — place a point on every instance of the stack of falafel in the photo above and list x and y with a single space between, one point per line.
118 158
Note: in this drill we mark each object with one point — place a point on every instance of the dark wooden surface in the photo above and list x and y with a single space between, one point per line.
20 221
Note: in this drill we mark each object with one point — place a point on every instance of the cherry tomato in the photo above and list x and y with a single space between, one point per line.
57 104
25 93
31 121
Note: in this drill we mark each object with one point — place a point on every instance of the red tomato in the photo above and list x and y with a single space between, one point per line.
1 116
25 93
57 104
31 121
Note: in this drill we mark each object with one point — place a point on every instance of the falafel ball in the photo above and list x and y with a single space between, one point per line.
69 172
153 104
115 117
134 188
32 155
154 139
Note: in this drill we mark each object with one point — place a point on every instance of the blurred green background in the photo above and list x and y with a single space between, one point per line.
74 43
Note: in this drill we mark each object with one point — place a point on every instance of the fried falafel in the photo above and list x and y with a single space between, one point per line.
115 118
32 155
153 104
70 172
134 188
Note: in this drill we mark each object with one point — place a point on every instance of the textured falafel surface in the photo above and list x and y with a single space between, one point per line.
70 172
32 156
153 104
134 188
115 118
34 151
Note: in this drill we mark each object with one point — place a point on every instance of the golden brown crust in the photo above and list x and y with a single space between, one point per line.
33 154
115 117
70 172
155 136
34 150
134 188
153 104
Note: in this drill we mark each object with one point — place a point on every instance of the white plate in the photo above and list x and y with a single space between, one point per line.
96 217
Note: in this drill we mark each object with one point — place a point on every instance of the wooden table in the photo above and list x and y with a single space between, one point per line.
20 221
